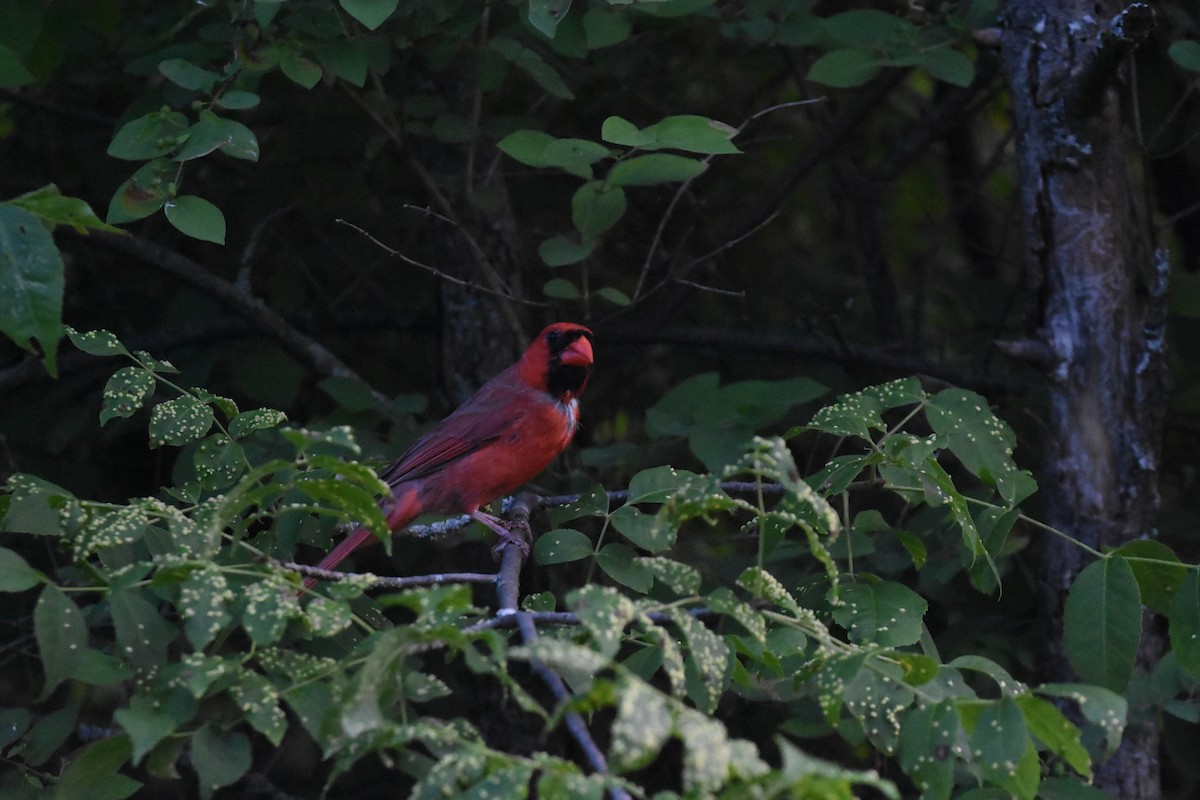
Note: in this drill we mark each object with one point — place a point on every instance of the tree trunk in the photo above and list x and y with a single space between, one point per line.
1088 252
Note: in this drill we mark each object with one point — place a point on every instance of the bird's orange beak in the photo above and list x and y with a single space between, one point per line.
578 354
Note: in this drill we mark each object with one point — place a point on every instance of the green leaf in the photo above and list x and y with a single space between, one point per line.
926 754
706 753
266 608
689 132
13 724
237 100
619 130
259 701
1158 578
621 563
97 343
50 206
683 579
858 413
844 69
561 289
526 146
595 209
604 614
887 614
203 603
146 723
219 758
642 726
188 75
656 484
371 13
532 65
1101 706
31 284
999 739
101 669
1185 624
558 251
965 424
299 69
61 635
647 531
1185 53
125 392
614 296
655 168
213 133
180 421
260 419
1102 623
869 29
143 636
36 506
1056 732
150 136
48 734
544 15
219 461
348 59
196 217
708 664
949 65
92 774
15 573
561 546
12 72
603 27
141 195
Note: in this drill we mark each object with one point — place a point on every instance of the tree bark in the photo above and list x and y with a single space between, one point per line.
1089 253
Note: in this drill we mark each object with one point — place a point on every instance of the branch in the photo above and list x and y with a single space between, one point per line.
261 316
1084 97
387 582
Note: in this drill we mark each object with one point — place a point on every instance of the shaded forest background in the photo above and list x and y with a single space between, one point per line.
380 244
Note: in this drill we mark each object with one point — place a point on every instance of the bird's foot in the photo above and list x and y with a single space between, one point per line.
506 534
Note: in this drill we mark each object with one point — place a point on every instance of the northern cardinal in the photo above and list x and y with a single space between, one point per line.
504 435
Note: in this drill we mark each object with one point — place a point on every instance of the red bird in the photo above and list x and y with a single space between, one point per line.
503 436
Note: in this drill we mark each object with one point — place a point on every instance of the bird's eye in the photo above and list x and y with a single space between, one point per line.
552 337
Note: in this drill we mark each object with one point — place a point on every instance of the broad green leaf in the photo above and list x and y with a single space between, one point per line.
260 419
327 617
237 100
999 739
844 69
53 208
614 296
561 289
1159 571
722 601
544 15
642 726
259 701
621 563
155 134
196 217
647 531
299 69
885 613
604 614
964 423
1102 623
1004 682
31 285
188 75
266 607
708 661
655 168
353 501
348 59
918 669
143 636
180 421
926 748
219 758
558 251
692 133
12 72
219 461
1056 732
146 723
949 65
532 65
101 669
92 774
125 392
141 195
36 506
213 133
619 130
706 753
371 13
683 579
1185 624
1185 53
13 724
1101 706
595 209
203 604
604 27
61 635
48 734
656 484
561 546
97 343
15 573
858 413
526 146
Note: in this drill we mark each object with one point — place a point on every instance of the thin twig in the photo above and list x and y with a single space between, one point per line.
389 582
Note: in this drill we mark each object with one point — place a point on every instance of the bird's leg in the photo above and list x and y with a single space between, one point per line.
506 536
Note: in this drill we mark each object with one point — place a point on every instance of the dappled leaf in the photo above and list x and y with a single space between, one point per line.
61 635
180 421
31 285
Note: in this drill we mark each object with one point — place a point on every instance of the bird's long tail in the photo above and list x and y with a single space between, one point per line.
405 509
